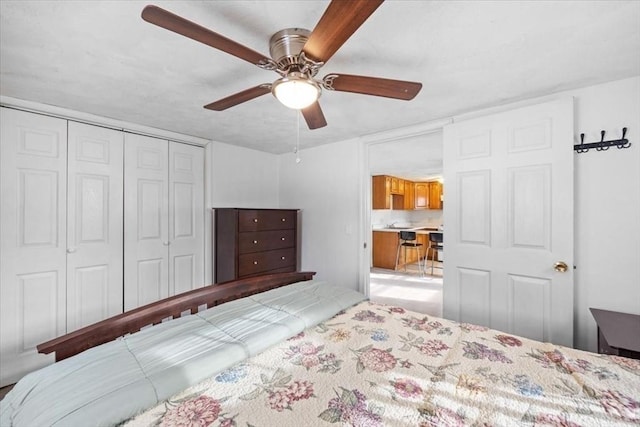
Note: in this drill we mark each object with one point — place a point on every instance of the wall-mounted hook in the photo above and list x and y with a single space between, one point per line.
602 147
623 143
579 148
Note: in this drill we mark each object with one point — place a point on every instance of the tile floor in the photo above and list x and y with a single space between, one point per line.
410 289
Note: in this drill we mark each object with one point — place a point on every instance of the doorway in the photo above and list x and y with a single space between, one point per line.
416 284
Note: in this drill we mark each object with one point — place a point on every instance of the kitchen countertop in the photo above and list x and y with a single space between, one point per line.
418 230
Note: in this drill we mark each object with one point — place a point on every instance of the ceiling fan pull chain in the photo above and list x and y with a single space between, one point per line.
297 136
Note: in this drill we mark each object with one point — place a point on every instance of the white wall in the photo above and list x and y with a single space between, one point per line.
242 178
607 206
325 185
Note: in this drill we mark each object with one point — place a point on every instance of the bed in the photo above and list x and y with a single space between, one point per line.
309 353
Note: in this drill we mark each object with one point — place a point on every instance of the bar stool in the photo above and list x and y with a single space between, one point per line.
408 241
436 243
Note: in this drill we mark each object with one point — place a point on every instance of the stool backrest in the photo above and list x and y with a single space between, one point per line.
408 235
436 237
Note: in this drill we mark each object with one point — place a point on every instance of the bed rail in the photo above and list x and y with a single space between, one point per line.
172 307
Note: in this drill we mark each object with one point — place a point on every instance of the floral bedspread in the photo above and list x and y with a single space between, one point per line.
377 365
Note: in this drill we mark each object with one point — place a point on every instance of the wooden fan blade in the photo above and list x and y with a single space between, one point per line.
313 116
376 86
340 20
177 24
239 98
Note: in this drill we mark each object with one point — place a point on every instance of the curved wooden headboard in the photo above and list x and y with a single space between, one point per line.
172 307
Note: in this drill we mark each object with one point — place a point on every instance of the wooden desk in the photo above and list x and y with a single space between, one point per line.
618 333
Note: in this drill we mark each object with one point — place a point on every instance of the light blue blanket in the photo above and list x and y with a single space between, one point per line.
110 383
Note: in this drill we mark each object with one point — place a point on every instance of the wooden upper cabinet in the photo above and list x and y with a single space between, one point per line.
428 195
421 195
394 185
397 185
435 195
409 196
381 192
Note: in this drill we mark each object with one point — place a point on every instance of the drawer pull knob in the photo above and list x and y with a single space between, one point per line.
282 238
282 258
255 219
255 262
255 242
283 219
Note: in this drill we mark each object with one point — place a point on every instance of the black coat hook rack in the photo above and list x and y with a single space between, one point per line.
602 145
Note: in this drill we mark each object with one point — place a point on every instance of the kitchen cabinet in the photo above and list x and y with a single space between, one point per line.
397 185
385 249
421 195
250 242
409 196
387 192
428 195
385 245
381 192
435 195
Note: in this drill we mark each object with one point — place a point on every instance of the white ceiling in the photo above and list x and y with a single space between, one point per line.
100 57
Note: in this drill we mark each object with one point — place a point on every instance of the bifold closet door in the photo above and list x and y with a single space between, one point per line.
186 217
146 210
164 219
95 224
33 160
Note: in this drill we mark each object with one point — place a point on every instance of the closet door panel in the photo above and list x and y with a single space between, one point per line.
95 224
186 217
146 206
33 161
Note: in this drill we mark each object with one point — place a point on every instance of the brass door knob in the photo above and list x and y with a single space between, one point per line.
560 266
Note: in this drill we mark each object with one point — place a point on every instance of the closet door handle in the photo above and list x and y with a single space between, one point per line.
71 250
166 243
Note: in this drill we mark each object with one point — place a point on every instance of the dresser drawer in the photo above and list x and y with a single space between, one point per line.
249 264
259 241
260 220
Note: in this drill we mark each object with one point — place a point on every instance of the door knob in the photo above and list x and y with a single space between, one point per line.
71 250
166 243
560 266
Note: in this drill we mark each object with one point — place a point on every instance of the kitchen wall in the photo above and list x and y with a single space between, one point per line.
607 206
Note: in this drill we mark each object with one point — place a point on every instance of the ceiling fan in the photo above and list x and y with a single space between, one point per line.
297 55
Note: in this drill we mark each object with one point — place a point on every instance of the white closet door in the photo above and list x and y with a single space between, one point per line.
33 159
186 217
95 224
146 220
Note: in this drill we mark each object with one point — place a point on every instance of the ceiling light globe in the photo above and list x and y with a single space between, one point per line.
296 91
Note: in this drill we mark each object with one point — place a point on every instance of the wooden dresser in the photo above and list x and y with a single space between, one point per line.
250 242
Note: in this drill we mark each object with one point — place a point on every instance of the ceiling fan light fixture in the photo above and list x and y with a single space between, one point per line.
296 90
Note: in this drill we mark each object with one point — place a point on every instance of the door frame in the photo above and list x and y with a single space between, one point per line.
365 144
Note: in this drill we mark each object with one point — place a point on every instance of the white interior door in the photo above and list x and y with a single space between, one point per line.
33 159
95 224
508 219
186 217
146 207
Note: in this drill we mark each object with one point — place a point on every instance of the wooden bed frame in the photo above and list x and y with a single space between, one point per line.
168 308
